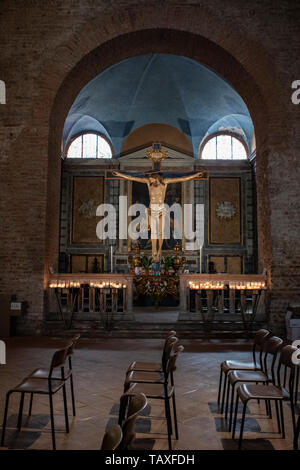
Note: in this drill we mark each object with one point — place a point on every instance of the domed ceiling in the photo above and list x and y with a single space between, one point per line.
158 88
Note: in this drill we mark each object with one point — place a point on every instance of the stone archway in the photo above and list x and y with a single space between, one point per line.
184 30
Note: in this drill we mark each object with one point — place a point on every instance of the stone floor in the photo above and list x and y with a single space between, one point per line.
99 367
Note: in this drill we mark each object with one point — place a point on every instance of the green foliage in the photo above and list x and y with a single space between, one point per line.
167 262
146 262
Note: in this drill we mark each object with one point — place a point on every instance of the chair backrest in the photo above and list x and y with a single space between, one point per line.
286 361
73 344
58 361
112 438
136 404
261 336
171 365
59 358
171 333
271 347
258 343
169 346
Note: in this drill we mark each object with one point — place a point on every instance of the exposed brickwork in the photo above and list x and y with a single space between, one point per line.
49 50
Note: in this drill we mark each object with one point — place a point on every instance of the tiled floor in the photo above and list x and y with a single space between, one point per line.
99 367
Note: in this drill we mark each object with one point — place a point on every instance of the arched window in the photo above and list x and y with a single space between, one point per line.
223 147
89 146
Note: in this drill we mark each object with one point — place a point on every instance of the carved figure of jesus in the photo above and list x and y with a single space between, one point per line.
157 186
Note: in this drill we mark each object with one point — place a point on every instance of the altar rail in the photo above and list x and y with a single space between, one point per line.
73 294
223 283
213 294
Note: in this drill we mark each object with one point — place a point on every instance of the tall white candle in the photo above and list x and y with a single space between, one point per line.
111 259
200 260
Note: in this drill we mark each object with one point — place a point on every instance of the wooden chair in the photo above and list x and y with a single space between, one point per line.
68 375
272 392
48 387
159 388
132 405
228 365
271 347
112 438
154 366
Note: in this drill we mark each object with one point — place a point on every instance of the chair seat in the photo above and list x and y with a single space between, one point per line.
150 390
236 365
235 376
34 385
145 377
267 392
145 366
44 373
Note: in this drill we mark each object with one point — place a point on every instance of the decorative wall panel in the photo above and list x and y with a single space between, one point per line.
88 193
225 216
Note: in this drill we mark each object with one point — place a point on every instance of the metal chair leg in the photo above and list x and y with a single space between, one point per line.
19 425
66 408
220 385
277 417
235 415
168 418
293 413
223 395
297 384
227 399
296 435
5 418
242 425
270 409
175 416
52 421
72 394
267 407
282 419
231 406
30 404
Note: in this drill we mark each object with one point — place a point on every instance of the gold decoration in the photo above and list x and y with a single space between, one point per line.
178 261
156 154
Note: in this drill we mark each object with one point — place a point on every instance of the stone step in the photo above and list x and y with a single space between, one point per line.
184 330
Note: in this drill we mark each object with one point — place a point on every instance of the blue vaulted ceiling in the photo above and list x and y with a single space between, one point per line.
158 88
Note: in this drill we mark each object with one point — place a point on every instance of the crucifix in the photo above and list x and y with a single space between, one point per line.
157 186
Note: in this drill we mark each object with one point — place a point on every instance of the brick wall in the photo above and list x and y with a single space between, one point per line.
49 50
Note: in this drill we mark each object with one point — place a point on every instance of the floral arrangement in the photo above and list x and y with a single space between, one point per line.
156 290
